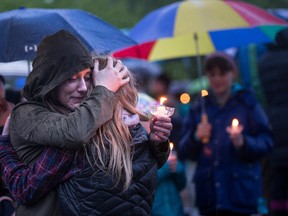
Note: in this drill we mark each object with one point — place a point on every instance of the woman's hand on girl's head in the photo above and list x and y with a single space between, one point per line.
111 77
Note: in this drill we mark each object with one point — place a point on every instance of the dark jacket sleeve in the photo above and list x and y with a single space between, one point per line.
161 152
27 184
36 124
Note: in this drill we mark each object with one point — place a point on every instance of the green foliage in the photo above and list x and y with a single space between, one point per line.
121 13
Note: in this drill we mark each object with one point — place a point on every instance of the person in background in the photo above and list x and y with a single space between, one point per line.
6 202
272 69
159 86
228 172
5 106
171 181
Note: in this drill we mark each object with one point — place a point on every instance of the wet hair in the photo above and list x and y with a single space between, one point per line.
220 60
110 149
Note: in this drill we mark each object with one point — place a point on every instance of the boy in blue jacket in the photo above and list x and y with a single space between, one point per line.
228 172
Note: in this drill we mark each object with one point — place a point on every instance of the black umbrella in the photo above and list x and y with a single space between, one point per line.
23 29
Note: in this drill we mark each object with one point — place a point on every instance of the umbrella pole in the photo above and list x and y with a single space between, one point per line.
204 116
29 68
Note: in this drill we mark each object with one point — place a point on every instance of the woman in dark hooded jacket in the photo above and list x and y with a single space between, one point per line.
39 121
44 120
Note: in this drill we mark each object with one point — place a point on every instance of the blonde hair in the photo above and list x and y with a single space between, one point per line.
115 156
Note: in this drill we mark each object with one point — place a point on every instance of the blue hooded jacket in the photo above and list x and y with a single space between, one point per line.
229 178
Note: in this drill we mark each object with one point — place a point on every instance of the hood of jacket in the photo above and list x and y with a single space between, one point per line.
58 58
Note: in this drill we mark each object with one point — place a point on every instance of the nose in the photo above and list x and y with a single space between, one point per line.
82 85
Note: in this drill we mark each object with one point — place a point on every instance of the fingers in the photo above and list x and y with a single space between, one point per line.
109 62
118 65
111 77
94 72
158 137
125 81
163 119
96 66
124 73
162 127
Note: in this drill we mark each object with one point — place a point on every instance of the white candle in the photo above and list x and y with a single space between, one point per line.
162 99
161 110
234 126
235 123
171 147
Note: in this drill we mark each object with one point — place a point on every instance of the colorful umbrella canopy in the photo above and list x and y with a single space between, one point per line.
169 32
23 29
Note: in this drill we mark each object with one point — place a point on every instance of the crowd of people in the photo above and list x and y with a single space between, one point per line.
80 142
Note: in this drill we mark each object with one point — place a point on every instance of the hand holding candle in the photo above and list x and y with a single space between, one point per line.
160 129
235 131
161 110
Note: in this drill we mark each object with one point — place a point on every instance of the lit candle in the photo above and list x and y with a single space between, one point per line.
171 147
235 129
161 110
162 99
235 123
234 126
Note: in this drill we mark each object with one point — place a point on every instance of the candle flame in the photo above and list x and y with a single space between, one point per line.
171 146
162 99
235 122
204 93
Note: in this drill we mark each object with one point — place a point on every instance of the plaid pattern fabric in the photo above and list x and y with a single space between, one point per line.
29 183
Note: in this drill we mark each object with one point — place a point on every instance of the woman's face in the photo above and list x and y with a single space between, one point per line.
74 90
220 82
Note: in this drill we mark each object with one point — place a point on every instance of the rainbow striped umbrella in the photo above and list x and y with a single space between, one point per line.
168 32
